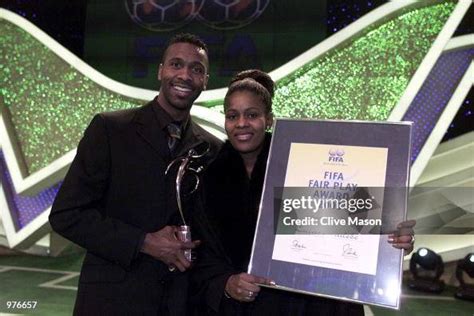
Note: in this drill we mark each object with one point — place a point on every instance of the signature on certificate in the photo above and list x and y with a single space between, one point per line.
349 252
297 245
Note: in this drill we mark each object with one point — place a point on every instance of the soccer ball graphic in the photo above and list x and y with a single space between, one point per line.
230 14
163 15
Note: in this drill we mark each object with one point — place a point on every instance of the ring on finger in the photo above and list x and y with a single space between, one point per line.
412 241
248 297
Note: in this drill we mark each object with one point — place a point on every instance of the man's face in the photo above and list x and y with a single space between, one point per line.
183 76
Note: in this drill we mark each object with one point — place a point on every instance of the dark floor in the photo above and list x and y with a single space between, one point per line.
49 285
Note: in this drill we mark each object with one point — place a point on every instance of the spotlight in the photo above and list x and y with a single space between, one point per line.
465 266
426 267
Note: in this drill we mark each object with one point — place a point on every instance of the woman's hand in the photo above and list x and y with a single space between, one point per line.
242 287
404 237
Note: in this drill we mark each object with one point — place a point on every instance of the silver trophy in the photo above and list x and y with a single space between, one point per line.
184 231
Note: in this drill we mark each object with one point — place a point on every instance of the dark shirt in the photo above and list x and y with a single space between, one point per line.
164 119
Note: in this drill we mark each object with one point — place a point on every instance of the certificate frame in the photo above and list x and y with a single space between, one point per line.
384 286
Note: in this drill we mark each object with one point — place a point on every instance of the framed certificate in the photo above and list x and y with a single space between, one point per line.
333 191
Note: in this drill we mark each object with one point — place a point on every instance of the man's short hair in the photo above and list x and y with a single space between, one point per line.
187 38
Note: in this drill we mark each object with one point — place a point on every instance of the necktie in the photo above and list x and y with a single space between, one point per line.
174 136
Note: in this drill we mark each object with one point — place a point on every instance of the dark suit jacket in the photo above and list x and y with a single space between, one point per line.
114 193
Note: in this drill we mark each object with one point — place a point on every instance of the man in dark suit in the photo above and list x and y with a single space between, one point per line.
117 203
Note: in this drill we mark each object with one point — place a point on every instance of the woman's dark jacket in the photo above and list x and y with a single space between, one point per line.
231 203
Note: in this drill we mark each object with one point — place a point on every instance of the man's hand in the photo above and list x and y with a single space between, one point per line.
164 246
243 287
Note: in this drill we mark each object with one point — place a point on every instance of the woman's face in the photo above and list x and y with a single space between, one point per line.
246 121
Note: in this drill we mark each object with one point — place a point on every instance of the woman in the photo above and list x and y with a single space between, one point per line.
233 187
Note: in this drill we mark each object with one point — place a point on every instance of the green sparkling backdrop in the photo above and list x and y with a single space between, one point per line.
365 78
50 103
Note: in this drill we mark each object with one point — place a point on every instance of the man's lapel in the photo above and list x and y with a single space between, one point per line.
149 131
